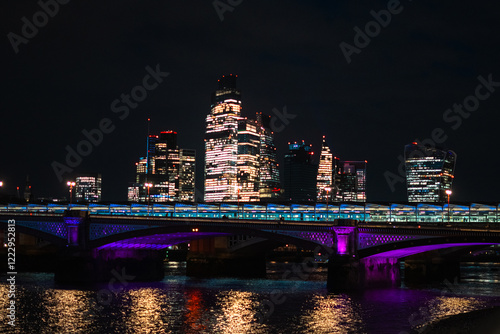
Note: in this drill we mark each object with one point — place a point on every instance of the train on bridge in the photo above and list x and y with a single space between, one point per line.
367 212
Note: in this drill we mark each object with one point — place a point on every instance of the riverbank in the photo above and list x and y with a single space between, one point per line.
485 321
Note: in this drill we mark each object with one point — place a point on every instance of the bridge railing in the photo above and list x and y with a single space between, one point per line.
369 212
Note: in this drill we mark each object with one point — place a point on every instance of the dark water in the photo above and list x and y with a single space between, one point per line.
184 305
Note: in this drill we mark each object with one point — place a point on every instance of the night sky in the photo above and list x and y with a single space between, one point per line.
286 53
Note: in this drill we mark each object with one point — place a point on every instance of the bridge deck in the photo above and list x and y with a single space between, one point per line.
369 212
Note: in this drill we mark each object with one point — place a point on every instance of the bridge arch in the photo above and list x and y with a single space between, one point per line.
411 247
45 235
171 235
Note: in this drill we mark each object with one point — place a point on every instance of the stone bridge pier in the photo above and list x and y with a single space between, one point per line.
347 272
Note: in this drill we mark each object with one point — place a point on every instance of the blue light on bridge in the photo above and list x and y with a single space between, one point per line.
370 212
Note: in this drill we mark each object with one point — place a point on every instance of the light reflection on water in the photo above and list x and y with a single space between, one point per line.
65 310
236 312
441 307
144 311
183 305
331 314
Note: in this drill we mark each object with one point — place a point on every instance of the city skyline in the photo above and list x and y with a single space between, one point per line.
415 80
246 186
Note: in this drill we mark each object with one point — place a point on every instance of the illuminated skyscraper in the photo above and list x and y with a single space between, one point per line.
352 181
248 160
168 170
240 155
269 173
187 175
88 188
221 142
324 181
300 173
152 140
429 173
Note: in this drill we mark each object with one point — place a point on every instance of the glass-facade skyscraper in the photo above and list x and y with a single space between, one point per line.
325 174
352 181
221 142
269 177
300 173
248 160
429 172
88 188
167 172
240 155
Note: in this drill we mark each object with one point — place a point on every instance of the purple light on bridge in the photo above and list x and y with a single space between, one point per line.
342 244
404 252
159 241
343 236
72 224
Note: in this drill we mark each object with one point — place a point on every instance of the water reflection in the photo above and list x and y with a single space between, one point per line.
66 311
144 311
195 312
331 314
445 306
183 305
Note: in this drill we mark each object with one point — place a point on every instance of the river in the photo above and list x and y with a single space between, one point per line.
180 304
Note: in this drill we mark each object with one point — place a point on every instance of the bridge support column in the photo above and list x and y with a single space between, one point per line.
76 227
210 258
346 272
343 267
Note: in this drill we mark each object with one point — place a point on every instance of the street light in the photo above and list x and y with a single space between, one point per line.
448 192
71 184
327 189
148 185
1 183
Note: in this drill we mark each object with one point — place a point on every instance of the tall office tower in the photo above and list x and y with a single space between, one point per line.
248 160
325 186
88 188
166 174
187 175
152 140
221 142
300 173
166 162
429 172
352 181
269 177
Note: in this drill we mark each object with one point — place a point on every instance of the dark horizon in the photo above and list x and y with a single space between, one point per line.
398 87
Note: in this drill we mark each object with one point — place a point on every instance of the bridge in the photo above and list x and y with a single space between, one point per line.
361 242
